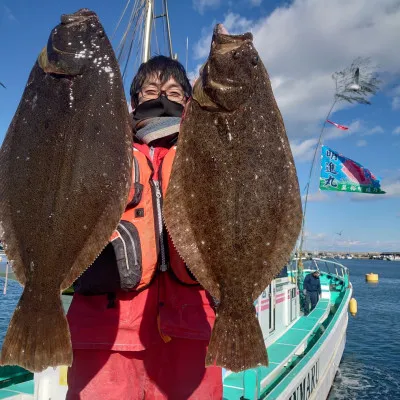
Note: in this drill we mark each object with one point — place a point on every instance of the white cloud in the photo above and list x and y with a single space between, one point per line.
193 75
376 129
233 23
201 5
358 127
349 242
392 189
385 245
255 3
303 150
316 197
324 241
202 47
361 143
396 91
355 126
395 94
8 13
396 131
396 103
315 236
335 133
391 186
373 131
302 43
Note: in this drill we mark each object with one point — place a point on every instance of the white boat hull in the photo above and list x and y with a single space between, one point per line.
315 378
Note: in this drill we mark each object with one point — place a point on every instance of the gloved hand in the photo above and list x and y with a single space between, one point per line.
304 291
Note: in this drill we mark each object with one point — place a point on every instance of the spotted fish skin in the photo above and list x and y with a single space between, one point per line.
233 206
65 168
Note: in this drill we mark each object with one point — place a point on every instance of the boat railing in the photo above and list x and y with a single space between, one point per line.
331 267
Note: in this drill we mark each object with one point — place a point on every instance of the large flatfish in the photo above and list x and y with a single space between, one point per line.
65 168
233 206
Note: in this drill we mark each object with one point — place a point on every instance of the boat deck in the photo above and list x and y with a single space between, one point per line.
288 347
21 387
19 391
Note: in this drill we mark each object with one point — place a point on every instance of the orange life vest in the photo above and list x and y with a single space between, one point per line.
141 243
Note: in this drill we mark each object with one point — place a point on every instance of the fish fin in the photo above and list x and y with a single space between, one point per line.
38 335
237 341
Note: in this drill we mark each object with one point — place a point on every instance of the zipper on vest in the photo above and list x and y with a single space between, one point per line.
163 266
158 217
151 153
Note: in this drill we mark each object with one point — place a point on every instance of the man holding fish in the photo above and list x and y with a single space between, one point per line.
149 340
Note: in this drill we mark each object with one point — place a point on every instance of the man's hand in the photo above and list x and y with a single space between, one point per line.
304 291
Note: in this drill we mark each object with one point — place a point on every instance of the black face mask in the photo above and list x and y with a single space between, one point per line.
160 107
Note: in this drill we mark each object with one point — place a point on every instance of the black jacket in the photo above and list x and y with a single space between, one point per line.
312 284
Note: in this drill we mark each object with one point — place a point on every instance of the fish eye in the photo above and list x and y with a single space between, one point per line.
255 60
235 55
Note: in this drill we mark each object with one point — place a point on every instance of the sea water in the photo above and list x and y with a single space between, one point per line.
370 368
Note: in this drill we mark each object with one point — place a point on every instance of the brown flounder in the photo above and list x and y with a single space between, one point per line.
233 205
65 168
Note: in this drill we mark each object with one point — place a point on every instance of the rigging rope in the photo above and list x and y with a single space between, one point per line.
120 19
155 32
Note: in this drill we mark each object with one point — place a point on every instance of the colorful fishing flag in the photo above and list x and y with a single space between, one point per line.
342 127
342 174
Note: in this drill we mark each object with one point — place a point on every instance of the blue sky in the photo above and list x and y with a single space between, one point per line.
301 44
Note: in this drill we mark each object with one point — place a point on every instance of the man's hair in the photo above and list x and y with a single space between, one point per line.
165 68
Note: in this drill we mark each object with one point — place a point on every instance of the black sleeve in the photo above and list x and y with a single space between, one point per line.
101 277
306 282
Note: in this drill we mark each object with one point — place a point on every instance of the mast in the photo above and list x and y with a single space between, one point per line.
147 30
138 32
149 16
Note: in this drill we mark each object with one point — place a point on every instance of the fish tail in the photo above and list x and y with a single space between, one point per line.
237 341
38 335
